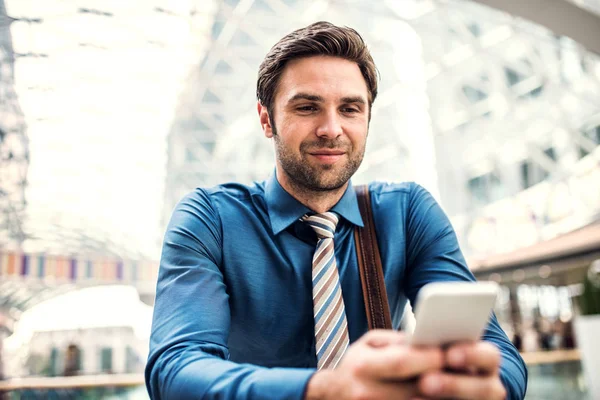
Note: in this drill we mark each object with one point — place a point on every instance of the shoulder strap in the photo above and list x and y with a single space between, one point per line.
369 264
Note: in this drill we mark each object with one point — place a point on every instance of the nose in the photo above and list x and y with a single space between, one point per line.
330 126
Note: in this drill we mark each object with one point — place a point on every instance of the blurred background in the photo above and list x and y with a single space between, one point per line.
111 111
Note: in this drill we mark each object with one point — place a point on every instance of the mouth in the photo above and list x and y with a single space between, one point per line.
327 156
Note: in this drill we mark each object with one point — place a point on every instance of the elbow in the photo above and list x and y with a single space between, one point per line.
165 375
152 379
515 380
160 371
524 380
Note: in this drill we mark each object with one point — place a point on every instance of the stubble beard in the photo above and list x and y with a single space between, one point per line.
306 177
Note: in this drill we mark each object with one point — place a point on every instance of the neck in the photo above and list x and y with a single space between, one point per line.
318 201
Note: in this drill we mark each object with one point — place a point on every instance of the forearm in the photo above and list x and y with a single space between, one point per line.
188 345
433 254
197 374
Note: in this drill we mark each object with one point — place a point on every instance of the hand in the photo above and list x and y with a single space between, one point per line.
474 374
380 365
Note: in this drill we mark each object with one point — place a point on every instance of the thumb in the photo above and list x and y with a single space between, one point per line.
383 337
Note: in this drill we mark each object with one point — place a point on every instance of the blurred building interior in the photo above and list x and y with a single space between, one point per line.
112 111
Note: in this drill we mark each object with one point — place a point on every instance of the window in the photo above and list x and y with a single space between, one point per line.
550 153
477 190
131 360
79 359
525 166
216 30
473 94
512 76
592 134
241 38
532 173
485 188
106 360
474 28
223 68
210 97
54 362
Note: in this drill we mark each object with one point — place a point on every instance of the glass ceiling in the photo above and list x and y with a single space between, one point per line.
475 104
98 83
129 105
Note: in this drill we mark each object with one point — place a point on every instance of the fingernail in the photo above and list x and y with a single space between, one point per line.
433 384
456 358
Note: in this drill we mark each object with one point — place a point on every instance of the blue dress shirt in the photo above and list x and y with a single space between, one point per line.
233 316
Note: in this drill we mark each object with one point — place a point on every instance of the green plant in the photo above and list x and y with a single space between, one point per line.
589 300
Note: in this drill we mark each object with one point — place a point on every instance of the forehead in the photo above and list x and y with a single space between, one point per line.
329 77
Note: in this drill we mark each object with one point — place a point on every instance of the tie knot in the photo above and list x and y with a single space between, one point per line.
323 224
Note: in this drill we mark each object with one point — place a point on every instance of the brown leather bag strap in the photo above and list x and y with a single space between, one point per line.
369 264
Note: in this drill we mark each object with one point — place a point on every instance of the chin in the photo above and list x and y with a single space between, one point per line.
331 178
329 185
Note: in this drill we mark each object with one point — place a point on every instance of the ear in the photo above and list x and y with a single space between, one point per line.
265 121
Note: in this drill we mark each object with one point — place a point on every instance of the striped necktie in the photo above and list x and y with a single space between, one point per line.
331 327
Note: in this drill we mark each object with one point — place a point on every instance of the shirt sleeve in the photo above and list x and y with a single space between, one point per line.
433 254
188 355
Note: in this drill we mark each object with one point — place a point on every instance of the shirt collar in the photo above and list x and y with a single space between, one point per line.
284 209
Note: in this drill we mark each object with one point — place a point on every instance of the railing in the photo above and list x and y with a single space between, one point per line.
552 375
556 381
114 386
83 381
550 357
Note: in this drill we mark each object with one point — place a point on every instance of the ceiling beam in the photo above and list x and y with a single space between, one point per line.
560 16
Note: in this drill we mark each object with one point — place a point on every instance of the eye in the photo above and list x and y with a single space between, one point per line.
350 110
306 108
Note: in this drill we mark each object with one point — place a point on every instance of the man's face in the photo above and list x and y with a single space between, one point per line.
321 119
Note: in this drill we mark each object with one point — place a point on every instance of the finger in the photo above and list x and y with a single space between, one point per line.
481 356
391 390
453 386
399 362
383 337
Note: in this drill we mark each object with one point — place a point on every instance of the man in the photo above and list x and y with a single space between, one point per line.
259 295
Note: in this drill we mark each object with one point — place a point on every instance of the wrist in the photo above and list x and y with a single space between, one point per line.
320 385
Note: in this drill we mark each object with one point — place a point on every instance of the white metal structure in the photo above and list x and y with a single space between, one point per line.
474 103
98 89
487 110
14 146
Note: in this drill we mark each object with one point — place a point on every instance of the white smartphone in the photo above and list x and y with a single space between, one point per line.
448 312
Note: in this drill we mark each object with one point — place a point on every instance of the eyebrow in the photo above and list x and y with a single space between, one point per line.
317 98
353 99
305 96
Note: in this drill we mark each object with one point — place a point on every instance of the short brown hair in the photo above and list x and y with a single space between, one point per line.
320 38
